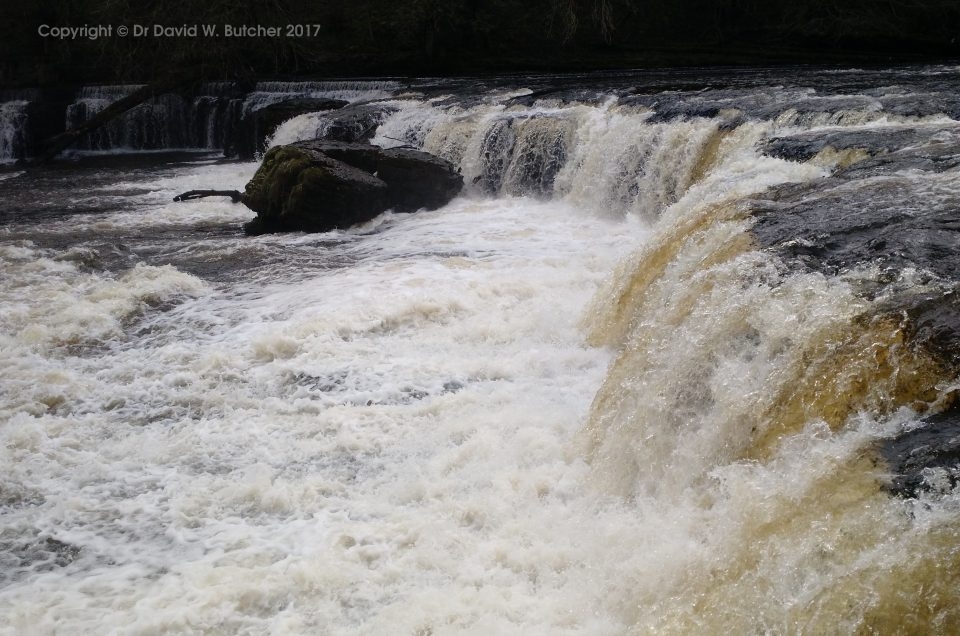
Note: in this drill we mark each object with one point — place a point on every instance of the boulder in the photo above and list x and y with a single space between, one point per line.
359 155
318 186
297 189
415 179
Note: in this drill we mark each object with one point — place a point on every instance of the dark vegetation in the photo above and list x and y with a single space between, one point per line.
417 37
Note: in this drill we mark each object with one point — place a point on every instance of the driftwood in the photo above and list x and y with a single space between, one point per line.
170 84
235 195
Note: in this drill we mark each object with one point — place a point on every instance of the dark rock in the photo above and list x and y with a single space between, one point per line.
912 456
559 95
259 124
836 224
357 123
875 141
359 155
415 179
319 185
934 323
297 189
911 106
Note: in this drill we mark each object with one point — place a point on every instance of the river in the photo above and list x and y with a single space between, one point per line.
634 380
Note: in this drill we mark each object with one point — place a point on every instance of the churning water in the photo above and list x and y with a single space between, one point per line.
602 392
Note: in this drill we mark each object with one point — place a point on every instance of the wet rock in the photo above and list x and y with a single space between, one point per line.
827 105
357 123
926 458
833 225
559 96
319 185
933 321
259 124
934 156
911 106
874 141
531 98
668 107
415 179
296 189
732 106
359 155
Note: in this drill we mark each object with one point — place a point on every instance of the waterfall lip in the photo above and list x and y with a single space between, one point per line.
670 94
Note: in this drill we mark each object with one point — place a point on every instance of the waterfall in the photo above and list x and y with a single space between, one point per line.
13 124
683 358
266 93
751 387
164 122
610 159
207 121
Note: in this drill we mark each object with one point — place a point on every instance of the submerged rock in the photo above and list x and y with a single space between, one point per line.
926 458
317 186
37 555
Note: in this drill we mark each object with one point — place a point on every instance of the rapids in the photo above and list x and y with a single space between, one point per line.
652 373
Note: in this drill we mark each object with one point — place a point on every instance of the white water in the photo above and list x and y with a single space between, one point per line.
374 447
266 93
570 411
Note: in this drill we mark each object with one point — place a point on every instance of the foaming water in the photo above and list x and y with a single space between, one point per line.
632 381
372 447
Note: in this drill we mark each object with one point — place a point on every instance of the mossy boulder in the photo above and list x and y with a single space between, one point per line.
299 190
318 186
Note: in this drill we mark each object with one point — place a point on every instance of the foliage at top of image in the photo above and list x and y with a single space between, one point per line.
465 36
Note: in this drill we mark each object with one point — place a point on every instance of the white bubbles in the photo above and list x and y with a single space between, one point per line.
375 447
404 428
